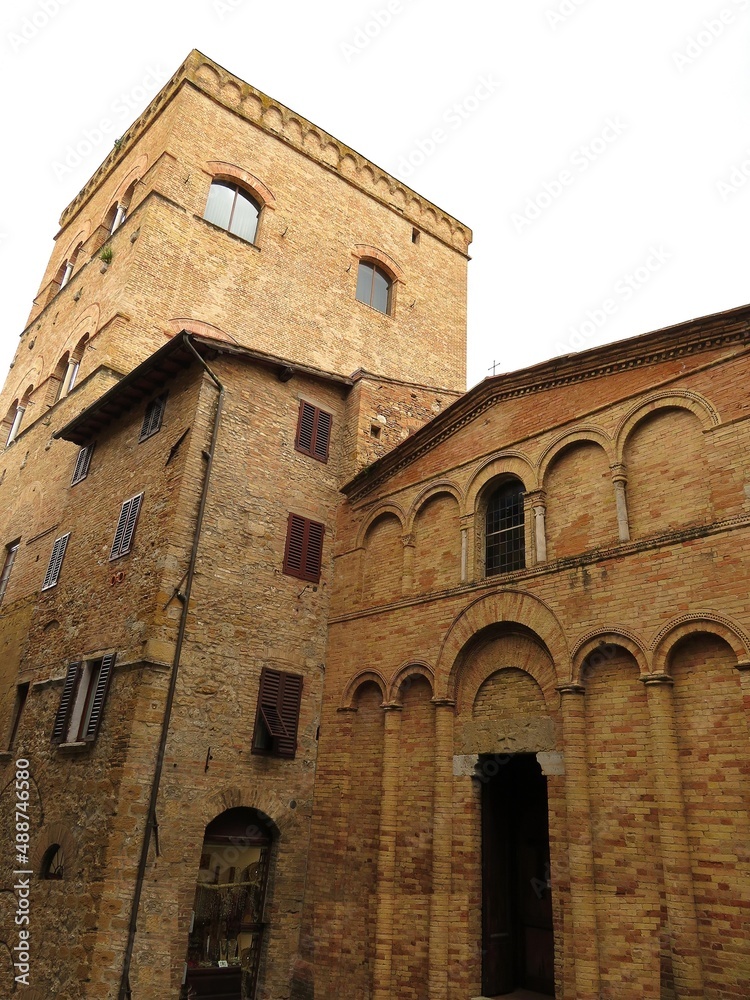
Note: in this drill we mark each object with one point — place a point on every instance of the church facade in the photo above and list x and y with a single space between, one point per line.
321 677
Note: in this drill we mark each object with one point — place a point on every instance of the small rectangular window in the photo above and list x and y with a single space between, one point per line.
313 431
126 527
79 713
303 555
153 416
277 715
83 460
10 558
55 563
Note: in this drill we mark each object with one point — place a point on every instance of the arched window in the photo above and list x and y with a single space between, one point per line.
53 863
15 415
66 268
119 211
374 286
57 379
504 529
232 208
227 926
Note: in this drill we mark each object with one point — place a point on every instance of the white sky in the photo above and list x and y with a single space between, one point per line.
516 89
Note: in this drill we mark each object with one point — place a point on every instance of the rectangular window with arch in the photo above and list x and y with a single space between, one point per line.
153 416
79 713
125 530
83 461
55 562
313 431
277 715
303 555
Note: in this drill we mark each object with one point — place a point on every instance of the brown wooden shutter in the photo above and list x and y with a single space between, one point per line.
304 548
55 563
290 700
126 527
322 436
60 728
305 427
152 417
100 694
82 464
269 700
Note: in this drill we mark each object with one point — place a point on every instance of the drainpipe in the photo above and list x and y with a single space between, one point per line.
151 824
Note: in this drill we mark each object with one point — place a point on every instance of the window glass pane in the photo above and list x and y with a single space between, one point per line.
244 218
364 282
380 291
219 205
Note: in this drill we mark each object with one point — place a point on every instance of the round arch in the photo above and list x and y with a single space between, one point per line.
363 251
363 677
220 170
588 434
442 487
414 668
681 399
694 624
511 606
510 463
385 508
602 642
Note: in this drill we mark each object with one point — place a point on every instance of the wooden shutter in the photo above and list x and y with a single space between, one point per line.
152 417
305 427
55 562
126 527
279 698
289 706
82 464
304 548
313 431
60 728
100 694
322 436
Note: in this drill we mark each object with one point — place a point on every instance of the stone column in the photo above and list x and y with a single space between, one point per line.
442 849
467 547
407 579
580 847
620 480
538 501
387 855
675 849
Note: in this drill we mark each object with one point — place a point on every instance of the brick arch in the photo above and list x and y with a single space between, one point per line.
363 251
680 399
588 434
74 246
700 622
414 668
442 487
31 376
221 170
388 507
363 677
602 641
55 833
512 606
264 800
132 177
512 463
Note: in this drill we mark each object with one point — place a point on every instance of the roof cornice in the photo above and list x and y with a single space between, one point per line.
725 329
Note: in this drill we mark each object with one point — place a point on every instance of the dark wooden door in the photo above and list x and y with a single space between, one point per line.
517 938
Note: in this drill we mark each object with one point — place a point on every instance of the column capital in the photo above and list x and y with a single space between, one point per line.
619 473
572 688
466 520
743 665
391 706
409 541
444 702
537 498
657 680
347 708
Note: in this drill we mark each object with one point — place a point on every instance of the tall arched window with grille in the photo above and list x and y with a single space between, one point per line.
505 544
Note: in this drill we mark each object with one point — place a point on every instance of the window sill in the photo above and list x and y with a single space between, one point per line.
73 748
234 236
6 756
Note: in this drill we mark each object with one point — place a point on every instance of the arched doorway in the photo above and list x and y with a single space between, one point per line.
226 933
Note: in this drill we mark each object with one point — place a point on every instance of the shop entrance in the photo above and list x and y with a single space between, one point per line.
517 938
